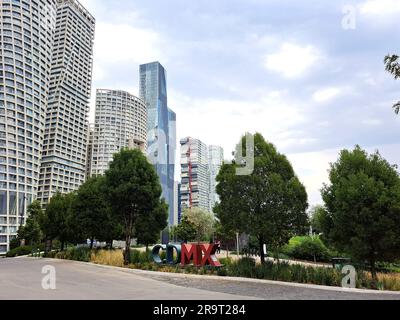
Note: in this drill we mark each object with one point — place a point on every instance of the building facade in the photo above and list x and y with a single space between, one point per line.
89 152
161 136
63 166
195 186
120 122
215 161
27 31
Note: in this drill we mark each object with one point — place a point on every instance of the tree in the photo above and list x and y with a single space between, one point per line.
91 212
318 214
185 231
393 67
32 232
202 221
133 190
148 227
270 203
363 207
56 224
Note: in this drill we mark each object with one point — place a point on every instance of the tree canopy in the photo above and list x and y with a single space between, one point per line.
270 203
363 207
393 67
134 192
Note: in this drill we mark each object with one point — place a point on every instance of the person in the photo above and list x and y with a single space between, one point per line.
218 247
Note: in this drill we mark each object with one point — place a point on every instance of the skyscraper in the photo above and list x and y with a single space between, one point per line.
195 186
89 152
215 161
121 121
63 165
161 137
27 34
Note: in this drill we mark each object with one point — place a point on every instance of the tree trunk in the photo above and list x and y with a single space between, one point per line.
262 255
127 249
91 243
62 245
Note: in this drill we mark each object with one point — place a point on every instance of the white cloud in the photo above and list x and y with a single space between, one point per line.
124 43
223 121
325 95
372 122
380 7
292 60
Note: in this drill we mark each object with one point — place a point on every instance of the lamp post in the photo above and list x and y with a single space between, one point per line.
237 243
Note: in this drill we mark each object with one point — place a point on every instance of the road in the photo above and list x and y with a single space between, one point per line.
22 279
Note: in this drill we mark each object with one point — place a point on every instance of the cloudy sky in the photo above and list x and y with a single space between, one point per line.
307 74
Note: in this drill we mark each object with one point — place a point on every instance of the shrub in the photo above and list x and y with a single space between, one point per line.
137 256
307 248
108 257
14 243
19 251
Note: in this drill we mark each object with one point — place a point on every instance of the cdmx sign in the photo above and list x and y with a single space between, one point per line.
197 253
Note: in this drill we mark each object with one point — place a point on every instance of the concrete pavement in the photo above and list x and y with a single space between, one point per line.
21 279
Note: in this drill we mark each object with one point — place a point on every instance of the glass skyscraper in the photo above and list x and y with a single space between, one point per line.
161 128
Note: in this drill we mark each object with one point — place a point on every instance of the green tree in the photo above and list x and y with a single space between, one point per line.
317 218
56 225
32 232
270 203
363 207
133 191
202 221
91 212
148 227
185 231
393 67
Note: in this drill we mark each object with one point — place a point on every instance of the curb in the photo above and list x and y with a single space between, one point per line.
236 279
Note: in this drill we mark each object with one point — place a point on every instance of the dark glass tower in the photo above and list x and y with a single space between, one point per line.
161 129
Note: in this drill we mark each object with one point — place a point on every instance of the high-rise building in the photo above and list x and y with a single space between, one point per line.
161 137
120 122
26 43
89 152
215 161
195 186
63 166
176 203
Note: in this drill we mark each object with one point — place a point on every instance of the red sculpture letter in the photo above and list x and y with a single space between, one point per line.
209 257
189 252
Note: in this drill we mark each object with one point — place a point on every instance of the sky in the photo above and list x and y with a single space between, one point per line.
307 74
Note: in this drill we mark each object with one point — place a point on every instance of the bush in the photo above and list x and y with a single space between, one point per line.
14 243
19 251
307 248
143 257
75 253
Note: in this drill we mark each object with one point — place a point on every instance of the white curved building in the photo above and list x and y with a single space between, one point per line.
26 41
120 122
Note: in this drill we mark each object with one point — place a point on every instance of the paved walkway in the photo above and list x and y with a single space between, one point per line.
21 279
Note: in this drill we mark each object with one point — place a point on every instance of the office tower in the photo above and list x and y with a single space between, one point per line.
171 155
89 152
195 186
26 41
160 128
120 122
215 161
176 203
63 163
179 204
